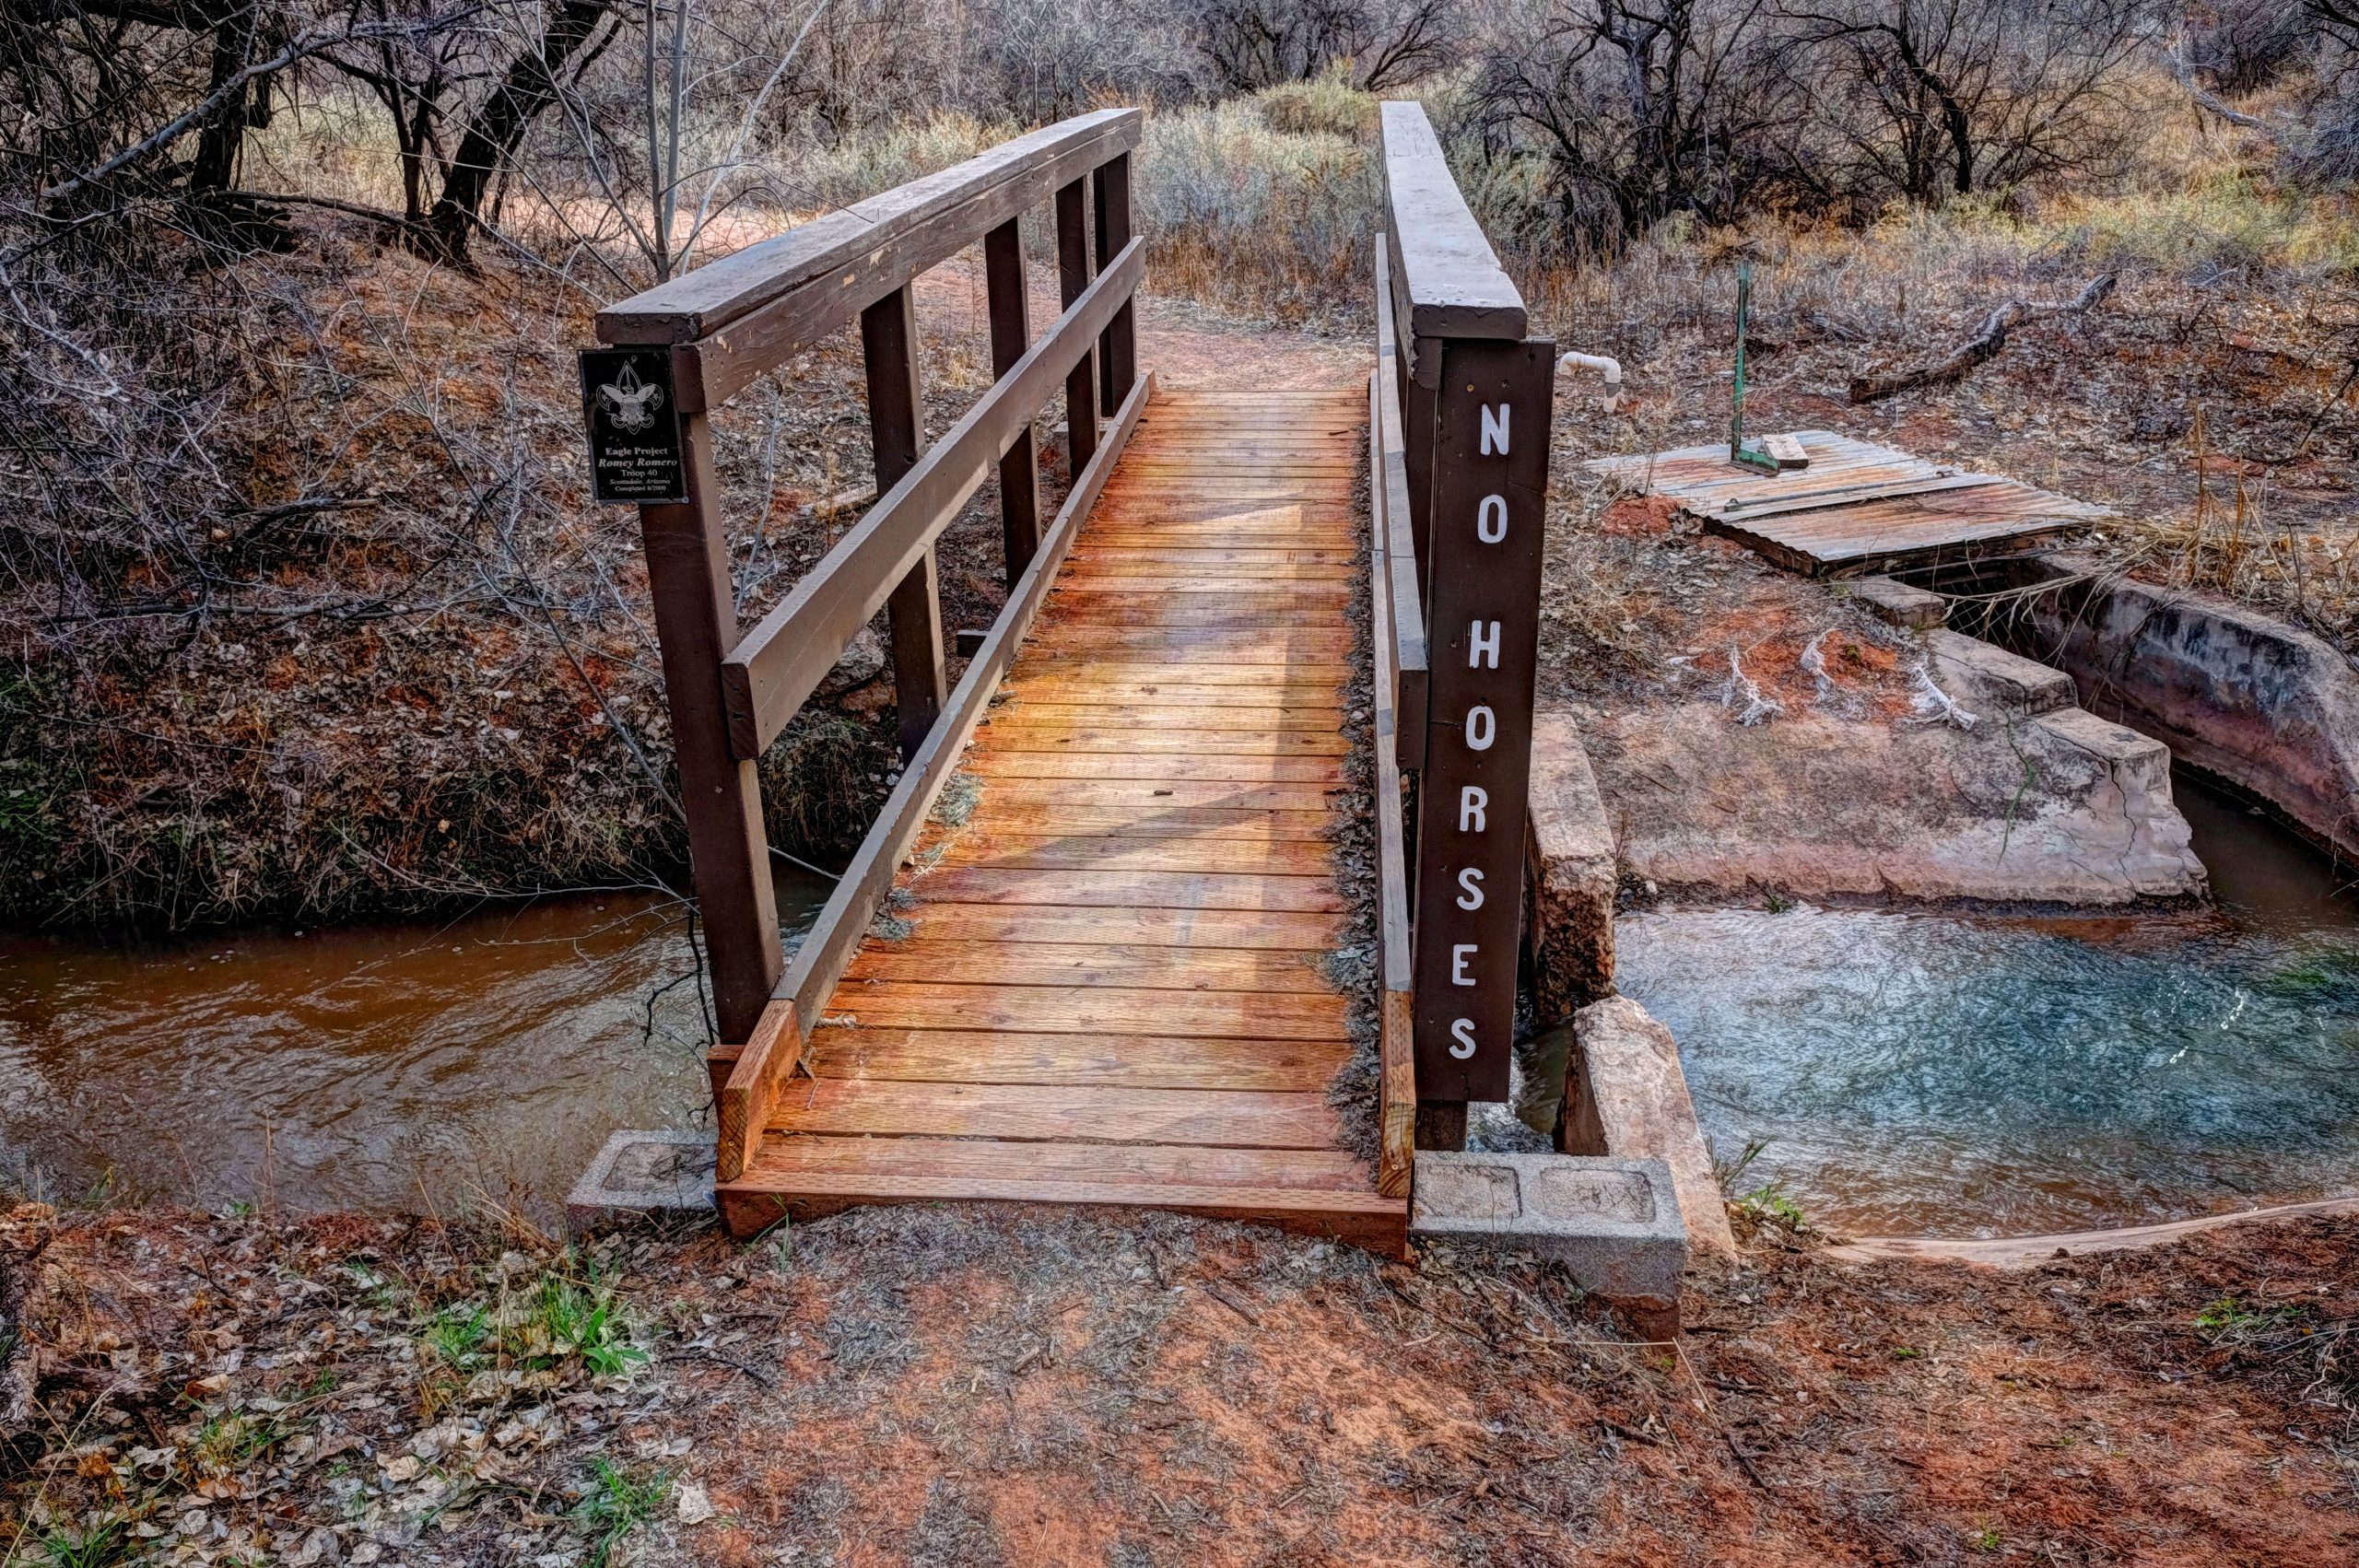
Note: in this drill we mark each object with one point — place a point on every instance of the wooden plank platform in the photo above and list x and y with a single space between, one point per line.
1105 984
1858 507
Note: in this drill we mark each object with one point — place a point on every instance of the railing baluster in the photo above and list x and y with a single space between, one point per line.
1072 276
696 627
897 432
1019 471
1116 348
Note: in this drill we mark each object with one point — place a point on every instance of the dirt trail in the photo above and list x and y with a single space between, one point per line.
993 1387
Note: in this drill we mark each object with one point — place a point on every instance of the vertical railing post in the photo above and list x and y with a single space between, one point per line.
1417 430
1117 345
897 433
1072 276
1019 470
696 626
1489 516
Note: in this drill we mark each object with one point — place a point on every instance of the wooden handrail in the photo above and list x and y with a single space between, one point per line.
1396 1016
1389 485
745 313
778 663
701 337
1447 283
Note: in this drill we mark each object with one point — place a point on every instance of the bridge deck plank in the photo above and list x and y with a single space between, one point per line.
1105 983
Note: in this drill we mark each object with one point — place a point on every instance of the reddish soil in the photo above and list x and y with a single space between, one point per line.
990 1386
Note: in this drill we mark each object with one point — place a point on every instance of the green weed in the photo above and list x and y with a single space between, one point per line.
617 1504
456 1335
100 1544
1767 1204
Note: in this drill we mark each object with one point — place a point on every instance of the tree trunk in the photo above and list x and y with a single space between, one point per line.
216 167
529 87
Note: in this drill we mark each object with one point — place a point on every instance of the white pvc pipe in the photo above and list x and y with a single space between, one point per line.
1613 369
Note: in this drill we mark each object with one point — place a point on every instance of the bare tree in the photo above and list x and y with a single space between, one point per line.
1645 108
1246 45
1949 97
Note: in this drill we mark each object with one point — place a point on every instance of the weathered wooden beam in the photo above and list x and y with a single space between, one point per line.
751 1092
819 962
785 657
849 249
888 341
1011 320
1451 283
1073 277
1117 351
1396 1022
1389 485
696 627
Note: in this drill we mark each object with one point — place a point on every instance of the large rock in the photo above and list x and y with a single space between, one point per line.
1573 872
1626 1096
2269 707
2025 807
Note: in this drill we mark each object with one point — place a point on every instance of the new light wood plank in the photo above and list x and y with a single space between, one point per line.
1157 767
1260 1119
1120 1061
1064 738
1324 1170
1154 819
1155 794
1091 1010
1070 852
1270 929
1139 966
1191 717
1129 889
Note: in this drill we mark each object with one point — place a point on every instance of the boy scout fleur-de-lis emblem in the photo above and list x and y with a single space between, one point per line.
630 402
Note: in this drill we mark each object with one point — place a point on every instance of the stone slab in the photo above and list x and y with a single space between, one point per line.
2269 707
1889 599
1614 1223
1626 1096
1574 871
1991 682
642 1175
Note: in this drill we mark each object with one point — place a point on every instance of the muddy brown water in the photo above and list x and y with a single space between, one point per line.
392 1067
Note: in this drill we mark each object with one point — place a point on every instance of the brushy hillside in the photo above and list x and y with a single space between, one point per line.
306 613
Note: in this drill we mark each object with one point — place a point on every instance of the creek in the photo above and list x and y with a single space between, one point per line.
470 1061
1969 1075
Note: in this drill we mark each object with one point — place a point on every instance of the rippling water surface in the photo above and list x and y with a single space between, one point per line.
1939 1074
385 1067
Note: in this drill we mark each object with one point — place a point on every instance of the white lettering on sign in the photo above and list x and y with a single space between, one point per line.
1472 881
1462 1031
1491 519
1470 802
1494 427
1483 640
1481 728
1460 952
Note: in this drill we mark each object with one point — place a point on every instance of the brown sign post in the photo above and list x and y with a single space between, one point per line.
1462 410
1489 512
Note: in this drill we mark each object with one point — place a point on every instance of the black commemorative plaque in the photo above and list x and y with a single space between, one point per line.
636 452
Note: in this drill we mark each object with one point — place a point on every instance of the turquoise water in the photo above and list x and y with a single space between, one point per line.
1951 1075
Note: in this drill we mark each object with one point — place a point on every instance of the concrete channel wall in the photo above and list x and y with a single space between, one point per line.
2264 706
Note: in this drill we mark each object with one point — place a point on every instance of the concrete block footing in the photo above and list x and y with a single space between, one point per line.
640 1175
1889 599
1615 1222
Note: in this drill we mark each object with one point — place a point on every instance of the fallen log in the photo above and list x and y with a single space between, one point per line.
1983 346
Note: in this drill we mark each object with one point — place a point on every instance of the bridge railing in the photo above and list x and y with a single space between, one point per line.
1459 413
732 690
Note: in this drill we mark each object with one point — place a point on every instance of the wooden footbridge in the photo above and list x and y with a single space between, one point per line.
1096 948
